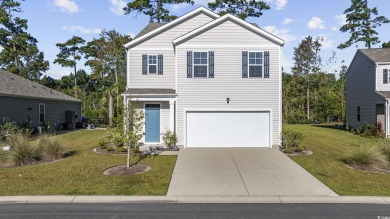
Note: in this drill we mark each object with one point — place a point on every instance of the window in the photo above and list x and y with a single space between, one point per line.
152 64
200 64
255 64
41 112
385 76
358 113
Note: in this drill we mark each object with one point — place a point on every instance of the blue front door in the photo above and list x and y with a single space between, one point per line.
152 122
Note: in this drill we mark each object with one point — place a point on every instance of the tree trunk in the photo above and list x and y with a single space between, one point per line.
308 103
110 110
128 156
75 78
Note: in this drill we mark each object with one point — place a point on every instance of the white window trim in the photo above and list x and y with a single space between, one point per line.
193 64
44 112
262 64
153 64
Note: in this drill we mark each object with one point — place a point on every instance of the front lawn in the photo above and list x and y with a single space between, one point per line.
330 146
81 173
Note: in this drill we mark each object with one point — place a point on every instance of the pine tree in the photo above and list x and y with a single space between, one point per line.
239 8
361 24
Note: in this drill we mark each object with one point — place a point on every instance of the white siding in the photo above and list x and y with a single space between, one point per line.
164 115
160 44
379 78
361 91
228 82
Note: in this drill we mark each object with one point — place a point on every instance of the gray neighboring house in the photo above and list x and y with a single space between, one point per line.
214 80
368 88
22 101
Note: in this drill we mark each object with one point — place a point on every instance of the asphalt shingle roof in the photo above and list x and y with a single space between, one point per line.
377 55
14 85
149 91
149 28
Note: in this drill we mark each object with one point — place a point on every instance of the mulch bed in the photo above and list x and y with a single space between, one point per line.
123 170
370 169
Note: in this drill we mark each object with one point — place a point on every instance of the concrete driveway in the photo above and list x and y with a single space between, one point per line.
241 172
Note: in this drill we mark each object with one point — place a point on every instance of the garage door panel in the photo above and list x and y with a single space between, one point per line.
227 129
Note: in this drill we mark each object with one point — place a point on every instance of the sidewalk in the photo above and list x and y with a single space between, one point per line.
194 199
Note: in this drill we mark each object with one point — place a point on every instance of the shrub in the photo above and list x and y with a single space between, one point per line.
170 138
102 144
50 148
291 140
368 130
22 153
367 155
116 138
8 129
379 130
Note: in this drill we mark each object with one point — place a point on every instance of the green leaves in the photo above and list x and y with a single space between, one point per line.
239 8
361 25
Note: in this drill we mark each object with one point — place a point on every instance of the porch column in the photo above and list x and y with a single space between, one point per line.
172 115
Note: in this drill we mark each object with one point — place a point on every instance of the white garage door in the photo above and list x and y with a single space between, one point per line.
227 129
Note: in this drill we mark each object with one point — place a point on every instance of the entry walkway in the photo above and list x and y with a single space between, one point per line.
241 172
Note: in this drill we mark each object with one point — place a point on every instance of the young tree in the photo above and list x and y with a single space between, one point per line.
20 54
386 45
70 53
133 131
361 24
239 8
154 9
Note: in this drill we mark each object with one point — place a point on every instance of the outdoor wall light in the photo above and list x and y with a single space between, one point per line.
227 100
29 108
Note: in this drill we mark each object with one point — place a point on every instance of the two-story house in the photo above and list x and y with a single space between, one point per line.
368 88
214 80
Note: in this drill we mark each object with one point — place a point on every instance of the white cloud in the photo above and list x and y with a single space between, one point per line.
131 34
117 6
287 21
281 33
326 43
316 23
341 19
201 2
287 63
57 73
178 7
280 4
82 30
334 28
66 6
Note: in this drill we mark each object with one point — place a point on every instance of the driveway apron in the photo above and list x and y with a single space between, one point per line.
241 172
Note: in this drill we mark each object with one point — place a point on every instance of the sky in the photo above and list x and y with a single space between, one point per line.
56 21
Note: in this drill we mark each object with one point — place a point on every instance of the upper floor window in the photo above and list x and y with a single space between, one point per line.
41 112
255 64
200 64
385 76
152 64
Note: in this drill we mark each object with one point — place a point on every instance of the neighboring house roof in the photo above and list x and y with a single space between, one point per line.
149 28
169 25
238 21
377 55
143 91
14 85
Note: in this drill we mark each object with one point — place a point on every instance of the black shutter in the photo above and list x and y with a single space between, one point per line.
245 64
189 64
144 64
211 64
160 64
266 64
385 76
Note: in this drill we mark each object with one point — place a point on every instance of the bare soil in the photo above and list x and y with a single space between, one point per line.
123 170
368 168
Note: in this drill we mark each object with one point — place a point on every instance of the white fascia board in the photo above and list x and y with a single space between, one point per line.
171 24
255 29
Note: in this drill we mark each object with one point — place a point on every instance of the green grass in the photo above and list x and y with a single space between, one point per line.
81 173
330 146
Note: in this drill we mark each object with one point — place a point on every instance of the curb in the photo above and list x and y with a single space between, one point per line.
196 199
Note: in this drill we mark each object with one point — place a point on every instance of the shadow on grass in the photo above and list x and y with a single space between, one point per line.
69 153
331 126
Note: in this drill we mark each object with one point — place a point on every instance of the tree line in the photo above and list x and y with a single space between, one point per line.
310 93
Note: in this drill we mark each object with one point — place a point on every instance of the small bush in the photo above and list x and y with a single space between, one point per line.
22 153
50 148
368 130
367 155
102 144
291 141
116 138
8 129
170 138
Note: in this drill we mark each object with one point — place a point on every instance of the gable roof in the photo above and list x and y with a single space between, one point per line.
377 55
238 21
14 85
171 24
149 28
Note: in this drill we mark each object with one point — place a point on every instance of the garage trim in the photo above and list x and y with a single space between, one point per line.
268 110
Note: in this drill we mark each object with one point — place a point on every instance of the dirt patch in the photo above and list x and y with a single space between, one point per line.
123 170
370 169
303 153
